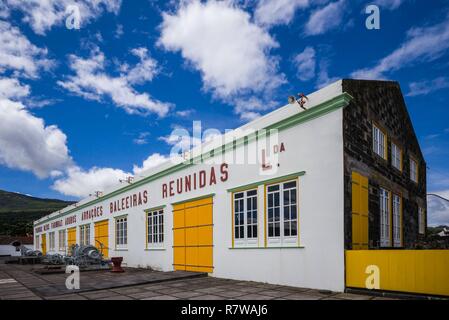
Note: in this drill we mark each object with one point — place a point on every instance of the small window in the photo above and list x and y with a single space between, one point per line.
37 244
85 235
413 170
51 236
397 221
282 213
385 235
396 156
155 228
379 142
421 220
62 240
245 217
121 232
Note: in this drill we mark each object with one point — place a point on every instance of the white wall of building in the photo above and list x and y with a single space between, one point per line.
317 261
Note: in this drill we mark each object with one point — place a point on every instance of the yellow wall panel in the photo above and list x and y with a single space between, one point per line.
71 237
193 236
359 211
205 236
191 217
44 244
205 215
192 256
178 219
102 235
179 237
412 271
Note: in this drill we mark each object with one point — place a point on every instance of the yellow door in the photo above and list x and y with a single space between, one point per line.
44 244
71 238
193 236
359 211
102 236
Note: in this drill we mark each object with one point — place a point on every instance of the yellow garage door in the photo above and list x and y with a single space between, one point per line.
44 243
102 236
359 211
71 238
193 236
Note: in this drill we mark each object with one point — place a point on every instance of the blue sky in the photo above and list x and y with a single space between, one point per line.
82 108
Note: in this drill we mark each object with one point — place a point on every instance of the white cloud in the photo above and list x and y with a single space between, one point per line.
426 87
152 161
220 41
93 83
80 183
142 138
438 209
389 4
277 12
145 70
252 107
11 88
422 45
19 55
27 144
305 64
184 113
42 15
326 18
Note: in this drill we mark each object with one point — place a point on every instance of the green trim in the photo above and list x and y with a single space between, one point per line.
194 199
154 208
263 248
268 181
326 107
120 216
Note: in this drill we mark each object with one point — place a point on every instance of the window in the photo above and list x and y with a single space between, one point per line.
62 240
413 170
397 220
282 213
379 142
121 232
155 228
51 237
385 237
245 217
85 234
396 156
421 220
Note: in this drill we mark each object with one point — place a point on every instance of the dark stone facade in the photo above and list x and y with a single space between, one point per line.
381 102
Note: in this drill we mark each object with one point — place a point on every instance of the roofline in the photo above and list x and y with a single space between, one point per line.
339 101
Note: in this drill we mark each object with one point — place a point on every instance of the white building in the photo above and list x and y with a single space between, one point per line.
279 219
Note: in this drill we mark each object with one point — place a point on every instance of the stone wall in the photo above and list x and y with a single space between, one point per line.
381 102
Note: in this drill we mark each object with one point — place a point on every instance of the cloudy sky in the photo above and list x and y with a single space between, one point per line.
82 108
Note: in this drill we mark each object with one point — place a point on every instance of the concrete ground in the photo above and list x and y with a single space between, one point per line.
21 283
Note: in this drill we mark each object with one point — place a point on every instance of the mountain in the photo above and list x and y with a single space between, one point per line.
18 211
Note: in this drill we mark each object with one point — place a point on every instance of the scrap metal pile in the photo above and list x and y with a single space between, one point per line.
83 256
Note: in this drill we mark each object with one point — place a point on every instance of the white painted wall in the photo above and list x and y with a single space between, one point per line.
315 147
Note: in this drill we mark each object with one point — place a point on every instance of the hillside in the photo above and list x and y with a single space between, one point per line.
18 211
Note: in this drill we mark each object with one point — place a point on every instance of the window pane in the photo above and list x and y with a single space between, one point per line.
289 185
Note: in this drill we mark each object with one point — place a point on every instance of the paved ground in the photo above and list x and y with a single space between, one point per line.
20 283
